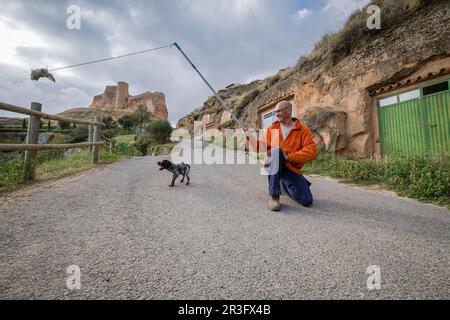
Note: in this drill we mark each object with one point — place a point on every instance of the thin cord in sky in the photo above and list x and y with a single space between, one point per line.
111 58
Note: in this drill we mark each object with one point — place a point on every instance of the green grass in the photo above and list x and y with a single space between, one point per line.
125 146
160 149
423 178
11 141
76 162
11 172
124 139
426 179
52 164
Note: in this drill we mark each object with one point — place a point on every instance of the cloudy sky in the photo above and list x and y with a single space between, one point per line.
230 41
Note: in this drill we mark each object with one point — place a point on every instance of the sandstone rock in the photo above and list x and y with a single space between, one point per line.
328 127
118 98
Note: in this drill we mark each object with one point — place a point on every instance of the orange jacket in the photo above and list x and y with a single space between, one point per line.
299 145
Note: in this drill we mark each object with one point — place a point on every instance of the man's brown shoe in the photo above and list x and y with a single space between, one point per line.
274 203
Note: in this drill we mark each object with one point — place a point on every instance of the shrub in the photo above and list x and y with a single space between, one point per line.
63 124
430 179
79 134
52 154
127 122
230 124
245 100
126 149
419 177
143 141
334 47
111 133
160 131
273 80
141 115
11 173
109 123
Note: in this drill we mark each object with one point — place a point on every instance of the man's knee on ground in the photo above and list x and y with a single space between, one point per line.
304 201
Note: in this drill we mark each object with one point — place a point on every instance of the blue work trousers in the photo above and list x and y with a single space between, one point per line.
294 185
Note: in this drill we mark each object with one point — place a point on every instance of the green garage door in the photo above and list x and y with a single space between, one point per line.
416 122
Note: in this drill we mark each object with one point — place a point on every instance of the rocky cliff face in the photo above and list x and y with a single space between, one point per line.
118 98
345 87
237 97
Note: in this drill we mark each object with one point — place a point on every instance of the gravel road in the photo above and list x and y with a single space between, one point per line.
133 237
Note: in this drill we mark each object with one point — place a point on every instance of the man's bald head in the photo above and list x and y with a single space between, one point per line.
284 105
283 111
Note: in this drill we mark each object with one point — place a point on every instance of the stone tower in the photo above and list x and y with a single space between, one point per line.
121 95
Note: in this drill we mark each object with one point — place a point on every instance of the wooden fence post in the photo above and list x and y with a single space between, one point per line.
96 138
32 138
91 134
113 145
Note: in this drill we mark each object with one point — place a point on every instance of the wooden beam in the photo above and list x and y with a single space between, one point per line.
9 107
22 147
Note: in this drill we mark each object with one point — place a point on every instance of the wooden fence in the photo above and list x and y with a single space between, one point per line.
31 147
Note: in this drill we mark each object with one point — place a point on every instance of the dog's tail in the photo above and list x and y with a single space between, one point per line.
188 167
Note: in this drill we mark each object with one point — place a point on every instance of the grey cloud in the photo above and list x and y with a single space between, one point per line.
226 47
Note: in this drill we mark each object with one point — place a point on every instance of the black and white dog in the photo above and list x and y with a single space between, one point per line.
176 170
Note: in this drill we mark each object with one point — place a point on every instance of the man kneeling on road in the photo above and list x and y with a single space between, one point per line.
290 145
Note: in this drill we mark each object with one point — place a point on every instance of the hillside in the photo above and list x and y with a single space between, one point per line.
88 114
335 87
9 121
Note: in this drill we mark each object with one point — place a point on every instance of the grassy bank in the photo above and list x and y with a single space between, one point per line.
11 172
52 164
76 162
423 178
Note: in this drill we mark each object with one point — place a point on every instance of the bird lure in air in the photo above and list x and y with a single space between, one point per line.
41 73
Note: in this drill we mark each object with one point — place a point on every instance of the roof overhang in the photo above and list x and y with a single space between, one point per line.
273 102
410 82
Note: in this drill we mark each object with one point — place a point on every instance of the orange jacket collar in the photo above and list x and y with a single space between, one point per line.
298 124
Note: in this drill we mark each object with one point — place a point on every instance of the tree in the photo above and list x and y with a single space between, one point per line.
63 124
79 134
24 123
141 116
109 122
127 122
160 130
49 125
